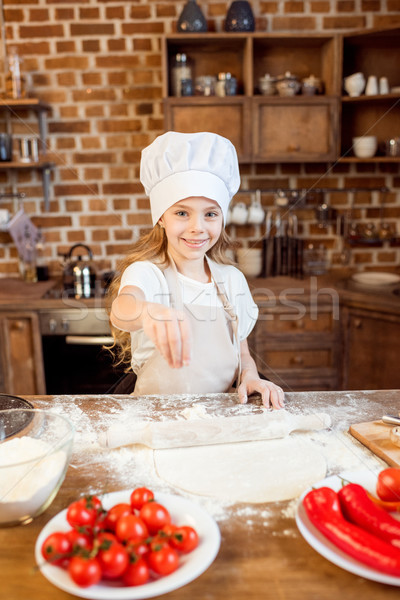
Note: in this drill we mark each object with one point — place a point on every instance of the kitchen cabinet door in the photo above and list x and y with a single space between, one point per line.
372 350
296 129
229 117
299 352
21 361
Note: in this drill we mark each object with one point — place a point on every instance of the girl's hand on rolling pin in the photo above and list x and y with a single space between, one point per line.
169 331
271 394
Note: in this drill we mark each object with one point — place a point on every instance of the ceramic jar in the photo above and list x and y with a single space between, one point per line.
288 85
191 18
239 17
311 85
267 85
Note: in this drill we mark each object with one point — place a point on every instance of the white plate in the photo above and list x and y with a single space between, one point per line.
323 546
376 278
183 512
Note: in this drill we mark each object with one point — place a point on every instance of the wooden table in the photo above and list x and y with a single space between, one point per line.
262 554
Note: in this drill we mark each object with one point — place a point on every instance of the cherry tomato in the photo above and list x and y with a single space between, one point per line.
131 527
155 516
137 549
167 530
163 561
137 573
140 496
84 571
117 511
158 542
57 548
79 516
184 539
113 561
92 502
104 539
388 485
79 540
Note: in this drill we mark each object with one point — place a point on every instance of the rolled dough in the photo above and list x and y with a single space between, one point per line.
254 472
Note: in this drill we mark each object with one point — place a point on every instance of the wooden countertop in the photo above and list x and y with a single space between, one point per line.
16 295
262 555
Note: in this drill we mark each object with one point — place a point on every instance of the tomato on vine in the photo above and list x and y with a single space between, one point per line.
57 548
140 496
163 561
137 573
84 571
155 515
185 539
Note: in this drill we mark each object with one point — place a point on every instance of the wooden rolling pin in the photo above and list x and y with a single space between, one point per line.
218 430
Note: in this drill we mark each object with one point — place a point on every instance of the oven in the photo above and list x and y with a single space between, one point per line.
75 361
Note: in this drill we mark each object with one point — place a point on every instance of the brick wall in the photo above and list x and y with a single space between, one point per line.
98 64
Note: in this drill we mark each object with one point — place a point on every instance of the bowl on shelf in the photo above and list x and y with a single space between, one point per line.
35 450
250 261
365 146
354 84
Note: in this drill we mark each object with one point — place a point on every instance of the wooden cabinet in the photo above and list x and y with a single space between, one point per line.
19 127
374 52
297 348
21 363
371 349
263 128
296 129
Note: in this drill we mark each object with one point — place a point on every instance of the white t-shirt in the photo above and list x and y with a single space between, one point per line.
150 279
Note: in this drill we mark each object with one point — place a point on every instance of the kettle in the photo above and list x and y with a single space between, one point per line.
79 276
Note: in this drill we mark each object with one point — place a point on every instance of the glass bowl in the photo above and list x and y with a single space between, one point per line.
35 450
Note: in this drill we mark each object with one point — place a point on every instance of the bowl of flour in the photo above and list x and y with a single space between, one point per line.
33 463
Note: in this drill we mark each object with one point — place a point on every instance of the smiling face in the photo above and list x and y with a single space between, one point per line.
192 227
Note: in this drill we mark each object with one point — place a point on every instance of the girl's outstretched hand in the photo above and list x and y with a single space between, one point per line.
169 331
271 394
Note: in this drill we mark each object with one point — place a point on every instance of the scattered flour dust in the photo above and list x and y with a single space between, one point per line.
131 466
29 472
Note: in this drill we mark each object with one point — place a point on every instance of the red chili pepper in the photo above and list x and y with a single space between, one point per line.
360 510
323 509
387 505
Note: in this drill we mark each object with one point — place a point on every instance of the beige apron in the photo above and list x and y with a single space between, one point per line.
215 358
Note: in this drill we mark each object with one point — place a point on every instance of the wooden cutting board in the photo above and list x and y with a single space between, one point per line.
375 435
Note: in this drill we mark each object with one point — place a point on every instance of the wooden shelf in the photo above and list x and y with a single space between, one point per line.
377 98
43 163
28 103
373 159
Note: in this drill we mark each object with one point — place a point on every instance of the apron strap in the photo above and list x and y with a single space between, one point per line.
229 309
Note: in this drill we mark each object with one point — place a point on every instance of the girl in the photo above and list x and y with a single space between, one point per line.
182 313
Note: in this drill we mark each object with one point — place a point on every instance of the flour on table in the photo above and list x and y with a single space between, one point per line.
196 411
254 472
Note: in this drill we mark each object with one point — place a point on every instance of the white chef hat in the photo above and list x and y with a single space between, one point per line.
179 165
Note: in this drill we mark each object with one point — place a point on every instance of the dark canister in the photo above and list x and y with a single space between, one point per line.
239 17
5 147
191 18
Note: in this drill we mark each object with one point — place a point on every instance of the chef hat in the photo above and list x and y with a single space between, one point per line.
179 165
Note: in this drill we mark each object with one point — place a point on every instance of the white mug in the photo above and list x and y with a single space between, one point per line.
239 214
372 86
256 213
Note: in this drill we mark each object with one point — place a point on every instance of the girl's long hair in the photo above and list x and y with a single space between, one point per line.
152 246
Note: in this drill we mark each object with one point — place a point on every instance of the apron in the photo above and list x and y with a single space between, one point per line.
215 358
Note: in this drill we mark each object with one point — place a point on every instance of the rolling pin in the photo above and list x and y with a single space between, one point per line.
208 431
